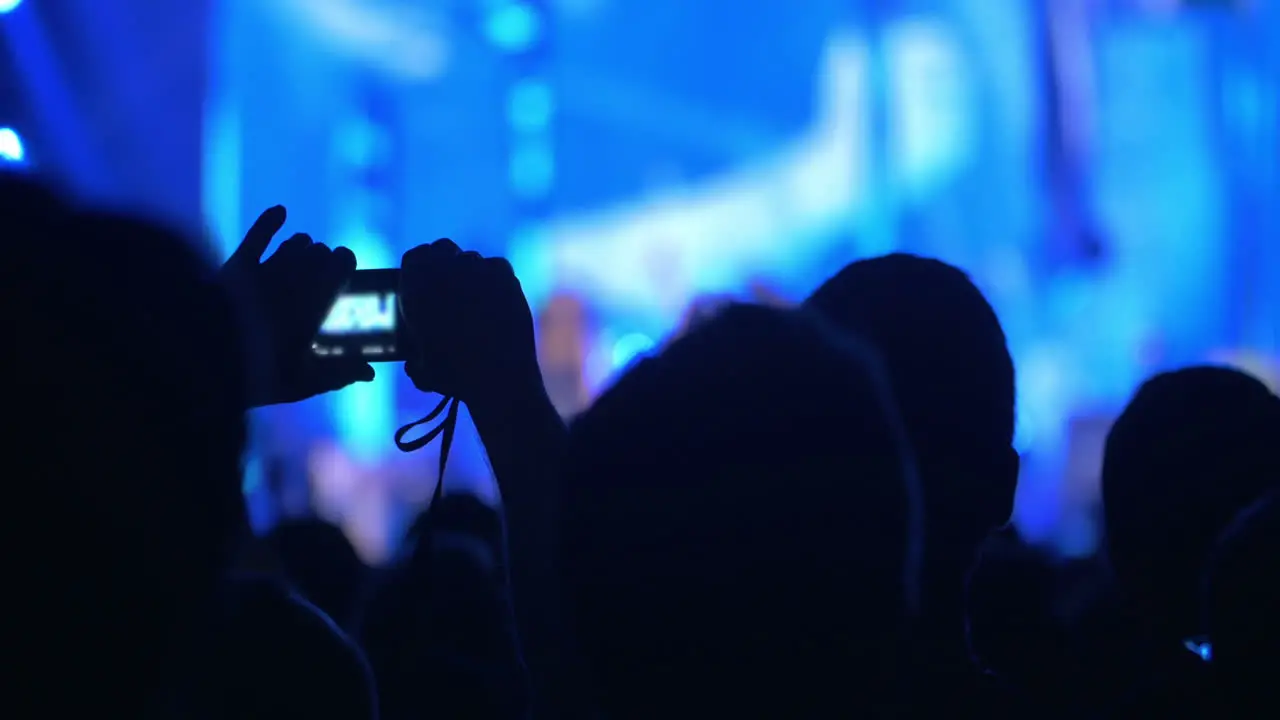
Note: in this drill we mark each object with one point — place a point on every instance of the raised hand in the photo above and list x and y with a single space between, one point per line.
289 295
470 323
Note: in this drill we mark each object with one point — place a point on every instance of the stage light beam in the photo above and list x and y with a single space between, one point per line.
11 149
8 6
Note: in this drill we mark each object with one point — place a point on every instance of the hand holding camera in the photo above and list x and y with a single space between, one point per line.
292 292
458 320
470 328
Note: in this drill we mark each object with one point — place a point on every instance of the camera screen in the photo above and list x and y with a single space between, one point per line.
361 314
362 320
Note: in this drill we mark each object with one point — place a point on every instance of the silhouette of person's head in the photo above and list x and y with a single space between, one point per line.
322 565
949 366
1242 593
740 526
1192 449
279 656
437 627
127 374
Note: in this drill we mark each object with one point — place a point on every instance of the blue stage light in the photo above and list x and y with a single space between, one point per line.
532 169
513 26
7 6
11 150
630 348
530 106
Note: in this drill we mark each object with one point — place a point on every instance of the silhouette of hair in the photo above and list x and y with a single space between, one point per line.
129 385
321 564
740 526
949 368
279 656
1192 449
1242 593
949 365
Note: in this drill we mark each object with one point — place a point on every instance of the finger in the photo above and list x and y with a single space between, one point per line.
321 280
499 265
315 256
259 237
339 269
501 270
330 374
343 262
429 253
416 256
353 371
411 370
334 272
444 247
418 372
467 262
420 268
296 245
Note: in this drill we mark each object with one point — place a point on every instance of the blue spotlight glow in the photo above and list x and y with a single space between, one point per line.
11 149
630 347
513 26
1201 647
7 6
533 169
530 106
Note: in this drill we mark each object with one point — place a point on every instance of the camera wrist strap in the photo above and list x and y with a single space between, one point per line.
444 431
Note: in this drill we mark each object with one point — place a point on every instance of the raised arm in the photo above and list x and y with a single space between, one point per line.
474 337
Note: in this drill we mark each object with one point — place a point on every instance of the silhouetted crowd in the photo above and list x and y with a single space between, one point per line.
783 513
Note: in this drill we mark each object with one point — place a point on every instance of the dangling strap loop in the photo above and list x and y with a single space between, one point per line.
429 436
444 431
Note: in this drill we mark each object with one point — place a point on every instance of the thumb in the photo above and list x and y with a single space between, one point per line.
421 375
337 373
360 371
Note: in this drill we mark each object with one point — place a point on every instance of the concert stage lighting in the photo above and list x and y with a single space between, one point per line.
513 26
11 150
630 347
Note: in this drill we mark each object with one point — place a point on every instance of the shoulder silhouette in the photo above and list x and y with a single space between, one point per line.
128 361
